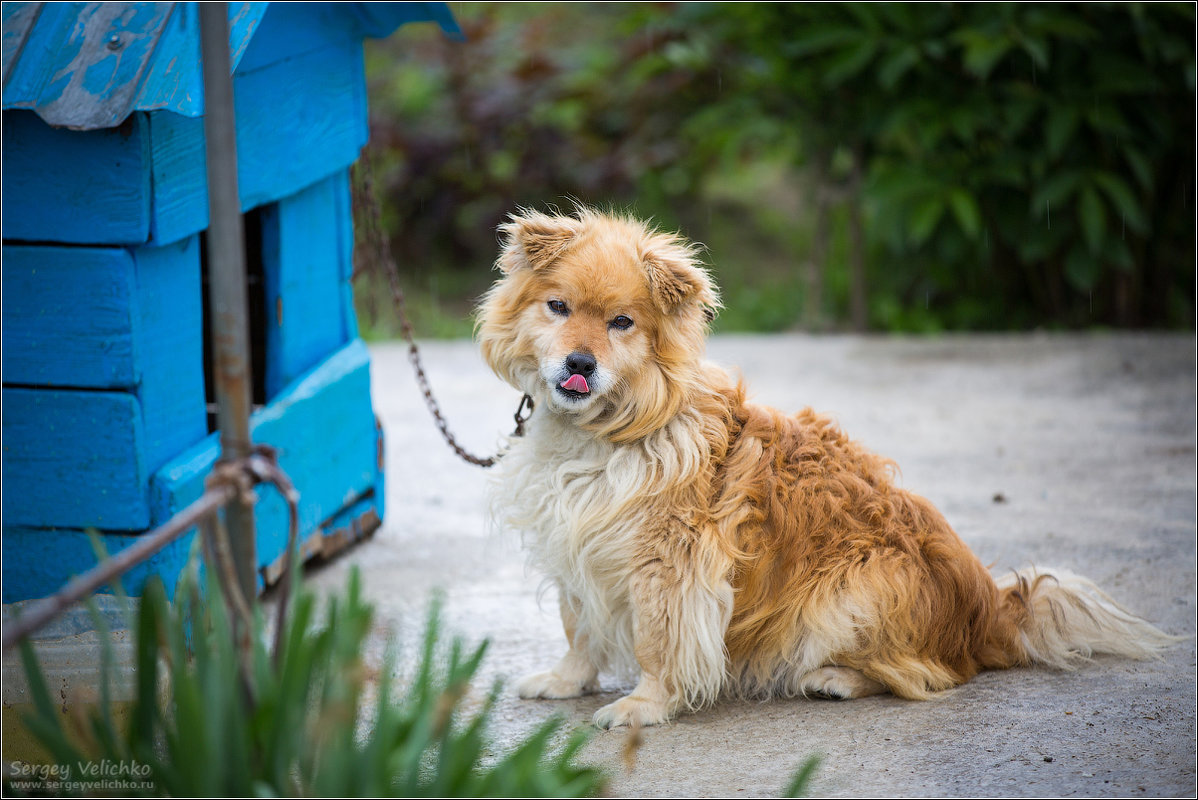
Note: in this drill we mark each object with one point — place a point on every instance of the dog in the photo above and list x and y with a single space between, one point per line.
720 548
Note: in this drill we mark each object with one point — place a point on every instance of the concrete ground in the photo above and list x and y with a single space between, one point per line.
1061 450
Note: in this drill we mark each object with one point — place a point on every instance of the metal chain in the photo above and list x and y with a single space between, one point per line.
381 260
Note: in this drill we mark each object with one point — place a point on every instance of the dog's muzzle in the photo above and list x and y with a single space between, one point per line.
580 367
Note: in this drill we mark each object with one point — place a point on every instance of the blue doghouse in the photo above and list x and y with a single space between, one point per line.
107 417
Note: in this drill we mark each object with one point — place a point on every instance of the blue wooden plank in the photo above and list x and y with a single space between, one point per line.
39 562
169 327
380 478
180 177
85 187
324 429
112 318
67 317
329 446
290 30
74 459
345 223
306 248
298 121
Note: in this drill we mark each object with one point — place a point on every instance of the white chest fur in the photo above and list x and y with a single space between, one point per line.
579 504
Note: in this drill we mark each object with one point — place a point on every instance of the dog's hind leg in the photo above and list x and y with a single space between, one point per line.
574 676
838 683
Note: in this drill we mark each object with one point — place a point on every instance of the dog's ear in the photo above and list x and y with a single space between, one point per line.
532 240
675 278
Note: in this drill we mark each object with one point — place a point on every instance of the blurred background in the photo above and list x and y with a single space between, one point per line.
881 167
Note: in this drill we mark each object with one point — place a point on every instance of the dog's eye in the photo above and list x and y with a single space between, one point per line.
621 323
558 307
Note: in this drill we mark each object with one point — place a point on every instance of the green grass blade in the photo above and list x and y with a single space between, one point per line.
800 783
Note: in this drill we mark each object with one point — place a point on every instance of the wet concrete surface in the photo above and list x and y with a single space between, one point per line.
1072 451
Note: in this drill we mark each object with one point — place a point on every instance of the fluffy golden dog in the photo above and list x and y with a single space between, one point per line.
717 546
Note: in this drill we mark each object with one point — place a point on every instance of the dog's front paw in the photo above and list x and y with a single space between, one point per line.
631 710
551 686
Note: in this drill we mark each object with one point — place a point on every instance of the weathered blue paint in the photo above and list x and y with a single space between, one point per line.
18 19
176 83
87 66
307 247
112 45
90 65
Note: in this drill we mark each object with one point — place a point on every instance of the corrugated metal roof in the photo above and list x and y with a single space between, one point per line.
89 65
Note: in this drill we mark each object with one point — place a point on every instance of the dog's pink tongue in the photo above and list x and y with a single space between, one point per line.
576 383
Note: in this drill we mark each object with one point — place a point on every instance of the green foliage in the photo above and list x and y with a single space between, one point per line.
301 721
1019 162
1007 165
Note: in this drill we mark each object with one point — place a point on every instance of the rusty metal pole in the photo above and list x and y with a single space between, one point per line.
227 279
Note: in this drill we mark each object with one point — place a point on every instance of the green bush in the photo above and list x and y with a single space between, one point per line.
896 166
299 721
1015 163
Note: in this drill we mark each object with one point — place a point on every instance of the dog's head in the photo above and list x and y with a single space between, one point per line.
598 317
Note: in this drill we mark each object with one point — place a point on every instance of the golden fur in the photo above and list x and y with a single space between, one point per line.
719 546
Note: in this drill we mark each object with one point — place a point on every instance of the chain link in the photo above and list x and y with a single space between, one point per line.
380 260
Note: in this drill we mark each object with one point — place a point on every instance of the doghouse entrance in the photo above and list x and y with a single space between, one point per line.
255 270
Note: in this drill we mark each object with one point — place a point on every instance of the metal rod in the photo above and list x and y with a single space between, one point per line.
112 568
227 278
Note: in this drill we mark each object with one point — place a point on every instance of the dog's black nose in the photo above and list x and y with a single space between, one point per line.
581 364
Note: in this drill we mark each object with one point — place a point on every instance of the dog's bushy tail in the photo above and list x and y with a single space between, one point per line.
1061 619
